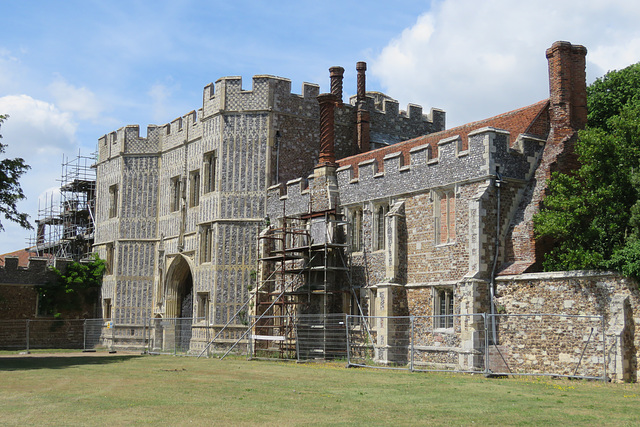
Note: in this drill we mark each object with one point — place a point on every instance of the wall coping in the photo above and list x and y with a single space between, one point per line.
574 274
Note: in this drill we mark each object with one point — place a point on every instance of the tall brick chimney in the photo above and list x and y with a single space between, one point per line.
363 125
361 67
567 88
327 103
567 115
336 74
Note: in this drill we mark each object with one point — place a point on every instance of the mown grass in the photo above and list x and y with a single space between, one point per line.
132 390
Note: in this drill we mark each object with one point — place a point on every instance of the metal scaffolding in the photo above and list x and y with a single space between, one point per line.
303 289
65 224
305 265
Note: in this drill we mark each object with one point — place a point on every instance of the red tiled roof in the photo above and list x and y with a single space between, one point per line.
532 119
23 256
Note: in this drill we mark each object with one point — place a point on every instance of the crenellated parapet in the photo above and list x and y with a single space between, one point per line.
127 140
415 169
37 271
390 125
268 93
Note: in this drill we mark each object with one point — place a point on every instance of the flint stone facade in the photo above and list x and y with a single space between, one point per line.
179 211
426 216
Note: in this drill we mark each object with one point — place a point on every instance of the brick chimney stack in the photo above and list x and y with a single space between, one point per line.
363 126
327 103
336 74
567 87
361 67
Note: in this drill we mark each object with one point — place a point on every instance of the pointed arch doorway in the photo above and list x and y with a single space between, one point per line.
179 300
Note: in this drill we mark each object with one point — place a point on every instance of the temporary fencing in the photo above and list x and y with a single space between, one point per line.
501 344
528 344
76 334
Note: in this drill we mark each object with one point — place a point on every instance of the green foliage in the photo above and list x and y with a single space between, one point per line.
593 213
10 191
71 290
609 94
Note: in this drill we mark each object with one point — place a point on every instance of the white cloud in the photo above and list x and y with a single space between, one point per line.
476 60
161 95
40 133
80 101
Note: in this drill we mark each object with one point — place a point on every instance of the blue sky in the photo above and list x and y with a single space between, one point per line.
73 71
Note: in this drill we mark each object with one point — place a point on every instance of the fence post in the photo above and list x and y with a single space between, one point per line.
412 319
346 325
84 334
28 335
604 352
486 343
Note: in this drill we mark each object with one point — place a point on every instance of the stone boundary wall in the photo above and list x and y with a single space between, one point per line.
615 297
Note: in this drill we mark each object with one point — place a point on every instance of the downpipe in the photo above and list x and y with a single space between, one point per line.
492 283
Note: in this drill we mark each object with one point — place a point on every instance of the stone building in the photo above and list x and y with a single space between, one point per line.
178 211
304 204
441 225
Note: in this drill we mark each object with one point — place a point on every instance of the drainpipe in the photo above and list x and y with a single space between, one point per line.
492 284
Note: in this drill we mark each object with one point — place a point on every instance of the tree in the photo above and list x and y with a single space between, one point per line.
74 288
593 213
10 191
608 95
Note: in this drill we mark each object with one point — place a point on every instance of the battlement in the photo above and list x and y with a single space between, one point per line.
381 103
36 272
420 167
269 93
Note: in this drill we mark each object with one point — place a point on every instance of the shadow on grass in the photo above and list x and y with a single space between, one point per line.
57 362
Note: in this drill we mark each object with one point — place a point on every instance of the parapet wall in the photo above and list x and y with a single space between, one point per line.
399 174
37 271
390 125
268 93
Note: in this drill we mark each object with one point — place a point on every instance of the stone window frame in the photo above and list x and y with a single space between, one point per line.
107 308
206 243
379 223
174 193
448 216
443 305
109 259
210 168
113 200
194 188
356 224
202 306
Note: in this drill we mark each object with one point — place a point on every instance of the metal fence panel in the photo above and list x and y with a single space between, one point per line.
420 343
547 344
73 334
449 343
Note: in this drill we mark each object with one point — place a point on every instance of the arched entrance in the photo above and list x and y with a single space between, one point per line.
179 300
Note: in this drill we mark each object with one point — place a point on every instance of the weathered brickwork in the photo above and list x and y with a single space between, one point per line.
19 302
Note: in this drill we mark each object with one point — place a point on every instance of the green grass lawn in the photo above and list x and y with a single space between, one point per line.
125 390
